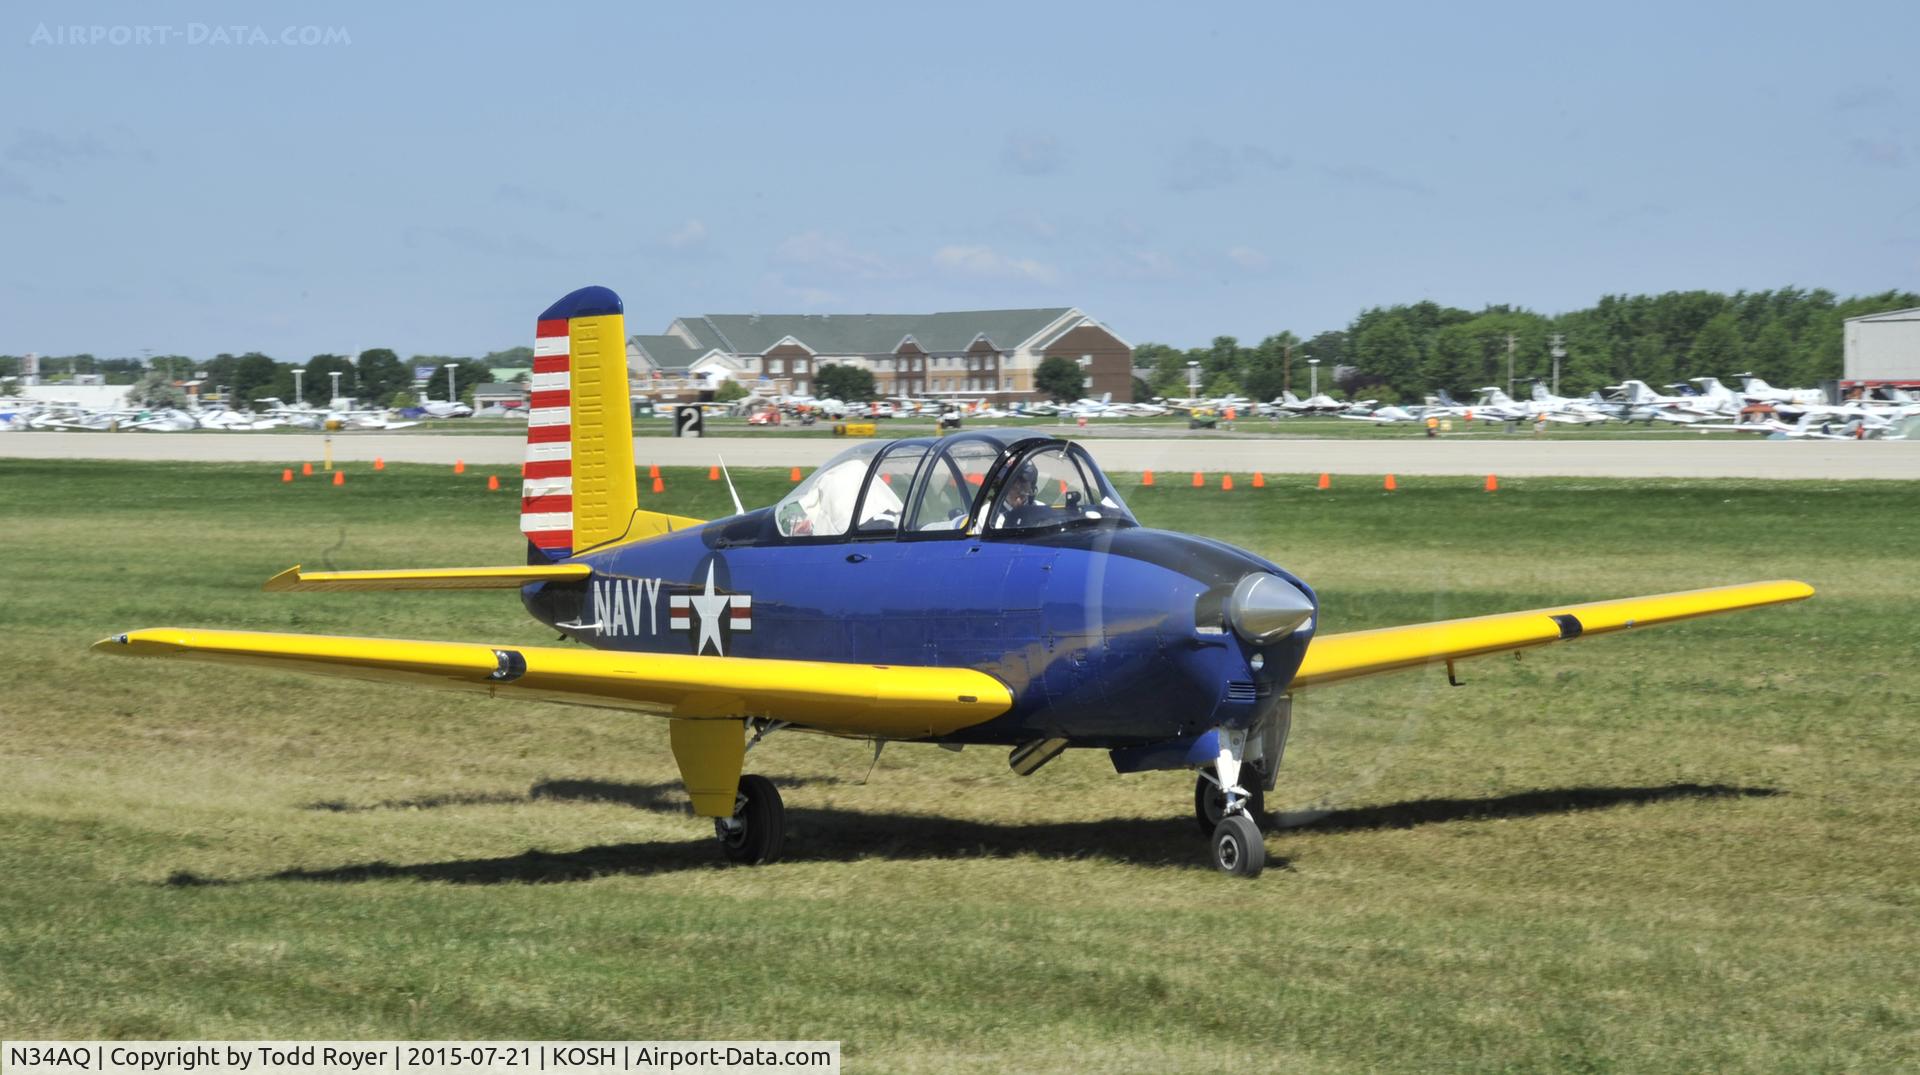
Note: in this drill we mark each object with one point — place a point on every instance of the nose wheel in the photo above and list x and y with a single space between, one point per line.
1237 847
757 832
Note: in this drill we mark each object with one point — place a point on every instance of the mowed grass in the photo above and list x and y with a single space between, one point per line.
1689 849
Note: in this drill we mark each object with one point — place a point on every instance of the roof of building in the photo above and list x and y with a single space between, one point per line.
497 388
1890 315
861 334
667 352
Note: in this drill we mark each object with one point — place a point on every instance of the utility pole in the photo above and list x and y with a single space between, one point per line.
1286 369
1559 352
1511 340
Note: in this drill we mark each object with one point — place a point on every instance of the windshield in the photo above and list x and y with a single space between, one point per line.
822 506
1055 486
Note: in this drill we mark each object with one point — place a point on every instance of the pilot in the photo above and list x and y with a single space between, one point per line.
1017 506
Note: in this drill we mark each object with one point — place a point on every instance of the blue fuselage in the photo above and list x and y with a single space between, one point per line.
1111 636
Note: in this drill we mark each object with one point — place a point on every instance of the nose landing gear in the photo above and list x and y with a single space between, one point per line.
1229 796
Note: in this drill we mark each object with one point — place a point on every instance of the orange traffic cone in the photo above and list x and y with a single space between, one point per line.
379 463
1326 481
286 475
493 483
339 477
1259 480
653 471
1391 484
306 470
658 485
1226 483
1493 484
1199 480
459 466
794 475
713 473
1147 478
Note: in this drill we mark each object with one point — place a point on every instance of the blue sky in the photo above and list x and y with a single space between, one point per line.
1178 170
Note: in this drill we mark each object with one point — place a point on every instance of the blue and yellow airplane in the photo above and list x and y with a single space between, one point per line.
977 588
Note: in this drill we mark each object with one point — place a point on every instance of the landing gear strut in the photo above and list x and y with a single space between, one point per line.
757 831
1210 803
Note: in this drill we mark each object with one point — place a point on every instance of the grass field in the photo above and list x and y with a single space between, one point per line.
1693 849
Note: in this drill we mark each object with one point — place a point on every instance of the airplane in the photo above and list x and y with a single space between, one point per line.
1755 390
1387 415
1319 404
985 588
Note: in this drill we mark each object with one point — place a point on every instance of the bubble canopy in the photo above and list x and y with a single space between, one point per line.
979 483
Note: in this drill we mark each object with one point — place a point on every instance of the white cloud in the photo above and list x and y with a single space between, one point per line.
691 234
1032 154
819 250
983 262
1248 258
1148 265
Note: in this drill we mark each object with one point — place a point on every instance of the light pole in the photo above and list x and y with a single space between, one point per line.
1559 352
298 396
1193 380
1313 377
450 396
335 374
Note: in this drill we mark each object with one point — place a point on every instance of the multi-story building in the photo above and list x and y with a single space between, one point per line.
971 354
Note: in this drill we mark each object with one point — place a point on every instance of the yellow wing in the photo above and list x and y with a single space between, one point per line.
425 578
890 701
1332 658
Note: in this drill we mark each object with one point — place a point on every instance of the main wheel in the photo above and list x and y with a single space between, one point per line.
1210 803
1237 847
761 830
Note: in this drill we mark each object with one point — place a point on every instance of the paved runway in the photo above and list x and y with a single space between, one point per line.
1721 457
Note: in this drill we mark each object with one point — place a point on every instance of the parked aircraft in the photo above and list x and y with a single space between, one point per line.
1756 390
981 588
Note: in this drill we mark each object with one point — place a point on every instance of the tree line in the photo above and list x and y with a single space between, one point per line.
378 377
1404 353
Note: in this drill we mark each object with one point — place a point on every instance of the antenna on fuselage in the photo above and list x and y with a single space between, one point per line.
737 509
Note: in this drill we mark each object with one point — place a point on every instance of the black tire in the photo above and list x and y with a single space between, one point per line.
1237 847
1210 803
762 833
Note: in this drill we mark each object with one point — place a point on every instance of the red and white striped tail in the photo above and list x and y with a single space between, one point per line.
579 490
546 494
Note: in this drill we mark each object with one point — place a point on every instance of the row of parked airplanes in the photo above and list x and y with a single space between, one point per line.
1704 403
270 413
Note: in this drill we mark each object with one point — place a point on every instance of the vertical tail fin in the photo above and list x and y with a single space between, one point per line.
579 489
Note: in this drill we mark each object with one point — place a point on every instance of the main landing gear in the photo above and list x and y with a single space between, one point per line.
757 832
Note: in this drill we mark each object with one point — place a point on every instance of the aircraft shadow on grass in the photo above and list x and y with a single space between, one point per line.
828 835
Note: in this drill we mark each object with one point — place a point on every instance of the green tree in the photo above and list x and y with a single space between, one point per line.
253 377
320 386
729 391
843 382
511 358
468 374
381 374
1060 378
156 389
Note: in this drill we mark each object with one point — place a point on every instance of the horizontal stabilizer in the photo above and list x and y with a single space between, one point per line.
1331 658
888 701
426 578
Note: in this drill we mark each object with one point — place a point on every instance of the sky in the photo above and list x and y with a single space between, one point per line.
303 178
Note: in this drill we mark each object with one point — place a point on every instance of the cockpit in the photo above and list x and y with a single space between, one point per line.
981 483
